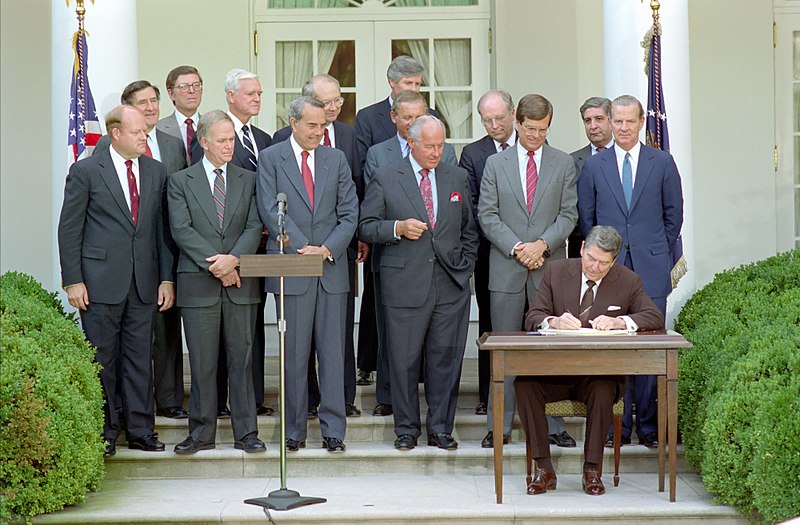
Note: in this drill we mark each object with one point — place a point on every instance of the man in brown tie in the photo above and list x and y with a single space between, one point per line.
588 292
596 116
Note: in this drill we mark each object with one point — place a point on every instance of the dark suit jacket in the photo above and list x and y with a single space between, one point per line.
98 243
581 155
406 266
473 159
560 291
196 231
263 141
649 230
331 222
374 125
172 151
389 152
346 142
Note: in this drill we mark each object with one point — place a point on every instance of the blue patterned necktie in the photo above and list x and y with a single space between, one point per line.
627 180
248 145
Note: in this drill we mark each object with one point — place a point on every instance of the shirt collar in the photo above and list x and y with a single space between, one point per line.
210 167
512 139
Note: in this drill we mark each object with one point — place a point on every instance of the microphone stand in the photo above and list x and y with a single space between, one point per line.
283 498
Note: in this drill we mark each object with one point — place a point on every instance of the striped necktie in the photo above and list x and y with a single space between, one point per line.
251 150
532 176
219 195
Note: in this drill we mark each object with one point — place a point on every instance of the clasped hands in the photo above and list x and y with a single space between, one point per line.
531 254
567 321
223 267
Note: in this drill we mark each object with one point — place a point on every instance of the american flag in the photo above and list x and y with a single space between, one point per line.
656 132
84 125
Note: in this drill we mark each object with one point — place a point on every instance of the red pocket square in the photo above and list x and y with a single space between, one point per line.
455 197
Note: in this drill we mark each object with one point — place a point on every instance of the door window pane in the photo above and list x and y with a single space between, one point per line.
292 64
452 65
417 49
338 59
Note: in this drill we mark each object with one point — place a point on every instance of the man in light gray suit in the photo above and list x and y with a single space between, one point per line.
527 208
214 221
167 340
417 212
321 216
185 88
407 107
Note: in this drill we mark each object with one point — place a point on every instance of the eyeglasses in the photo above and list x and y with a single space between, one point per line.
495 120
530 130
184 88
338 102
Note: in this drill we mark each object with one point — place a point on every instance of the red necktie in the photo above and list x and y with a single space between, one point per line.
189 137
308 179
147 150
134 191
532 179
326 140
427 195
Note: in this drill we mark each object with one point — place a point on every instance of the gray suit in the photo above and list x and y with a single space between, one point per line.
505 221
315 306
121 264
173 154
575 238
424 288
389 152
213 313
171 126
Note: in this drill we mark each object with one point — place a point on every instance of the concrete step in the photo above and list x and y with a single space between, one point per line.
362 459
419 499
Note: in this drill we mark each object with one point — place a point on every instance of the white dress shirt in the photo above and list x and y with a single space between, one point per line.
298 157
522 160
122 173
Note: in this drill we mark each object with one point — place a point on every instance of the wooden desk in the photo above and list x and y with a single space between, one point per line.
645 353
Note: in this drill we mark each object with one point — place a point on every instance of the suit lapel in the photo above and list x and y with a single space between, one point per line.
145 187
234 189
408 181
487 148
321 173
386 120
605 295
611 175
444 188
511 171
198 185
544 179
109 174
292 171
643 170
571 284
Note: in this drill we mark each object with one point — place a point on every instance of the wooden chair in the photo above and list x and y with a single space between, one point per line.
570 408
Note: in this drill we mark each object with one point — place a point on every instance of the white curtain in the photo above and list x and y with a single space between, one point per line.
293 62
453 68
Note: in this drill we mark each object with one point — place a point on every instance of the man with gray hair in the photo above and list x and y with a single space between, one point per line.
214 221
596 116
417 213
321 217
588 292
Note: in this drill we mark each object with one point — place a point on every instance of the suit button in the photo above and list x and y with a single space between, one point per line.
430 260
130 260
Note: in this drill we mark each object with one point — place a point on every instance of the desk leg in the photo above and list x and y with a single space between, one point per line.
672 440
497 430
662 428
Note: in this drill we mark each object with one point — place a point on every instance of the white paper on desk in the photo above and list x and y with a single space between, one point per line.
584 331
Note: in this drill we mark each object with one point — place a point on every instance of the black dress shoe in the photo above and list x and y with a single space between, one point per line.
480 409
263 410
191 445
649 440
333 444
111 448
405 442
562 439
250 443
172 412
622 441
383 409
292 445
442 440
224 413
147 443
363 378
488 441
313 412
351 410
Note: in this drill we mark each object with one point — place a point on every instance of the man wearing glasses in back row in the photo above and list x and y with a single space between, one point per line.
185 88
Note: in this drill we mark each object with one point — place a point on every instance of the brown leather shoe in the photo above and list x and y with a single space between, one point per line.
544 480
592 484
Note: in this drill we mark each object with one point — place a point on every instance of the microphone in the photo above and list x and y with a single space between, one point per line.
281 200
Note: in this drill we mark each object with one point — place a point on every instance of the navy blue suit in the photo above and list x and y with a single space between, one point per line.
649 231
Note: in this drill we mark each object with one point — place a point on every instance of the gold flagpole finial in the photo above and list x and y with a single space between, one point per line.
80 10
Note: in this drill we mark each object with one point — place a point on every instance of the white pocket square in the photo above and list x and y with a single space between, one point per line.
613 308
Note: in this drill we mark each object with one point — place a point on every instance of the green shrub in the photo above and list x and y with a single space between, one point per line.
51 418
740 386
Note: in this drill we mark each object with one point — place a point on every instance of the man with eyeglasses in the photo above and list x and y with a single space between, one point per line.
341 136
185 89
496 109
527 208
588 292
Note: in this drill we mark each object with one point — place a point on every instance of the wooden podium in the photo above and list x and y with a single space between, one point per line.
283 265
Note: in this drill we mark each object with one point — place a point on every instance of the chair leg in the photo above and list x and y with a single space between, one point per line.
617 444
528 462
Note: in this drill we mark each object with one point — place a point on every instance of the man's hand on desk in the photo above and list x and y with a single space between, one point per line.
604 322
565 321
